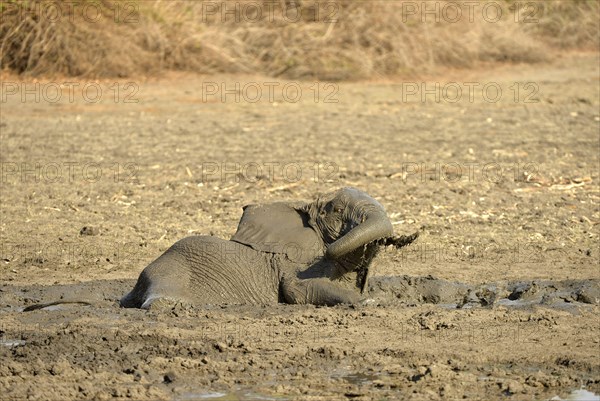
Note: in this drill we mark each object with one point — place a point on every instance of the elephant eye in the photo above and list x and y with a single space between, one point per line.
338 210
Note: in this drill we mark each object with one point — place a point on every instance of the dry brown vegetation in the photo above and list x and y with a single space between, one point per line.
343 40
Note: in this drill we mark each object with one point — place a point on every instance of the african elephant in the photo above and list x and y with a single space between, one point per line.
317 253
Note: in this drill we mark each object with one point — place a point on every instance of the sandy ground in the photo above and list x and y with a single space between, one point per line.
502 188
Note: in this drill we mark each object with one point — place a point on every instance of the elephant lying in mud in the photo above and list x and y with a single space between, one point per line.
300 253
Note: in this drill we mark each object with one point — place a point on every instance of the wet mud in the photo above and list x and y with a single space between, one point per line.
405 290
230 352
382 291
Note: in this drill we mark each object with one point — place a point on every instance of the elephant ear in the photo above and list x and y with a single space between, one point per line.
280 228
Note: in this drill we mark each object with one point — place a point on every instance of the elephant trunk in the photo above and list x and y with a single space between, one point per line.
376 226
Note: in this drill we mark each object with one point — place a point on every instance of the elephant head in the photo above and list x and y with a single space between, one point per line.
347 220
342 226
350 222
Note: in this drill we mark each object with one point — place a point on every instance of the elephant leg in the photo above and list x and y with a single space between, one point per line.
316 291
162 281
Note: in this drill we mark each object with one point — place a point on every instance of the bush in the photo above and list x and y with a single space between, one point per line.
111 38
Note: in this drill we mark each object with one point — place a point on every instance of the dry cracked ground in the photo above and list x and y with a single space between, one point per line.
497 169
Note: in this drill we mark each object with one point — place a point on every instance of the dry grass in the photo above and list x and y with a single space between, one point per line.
368 39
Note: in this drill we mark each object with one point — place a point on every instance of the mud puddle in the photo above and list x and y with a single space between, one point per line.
578 395
357 378
237 395
12 343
